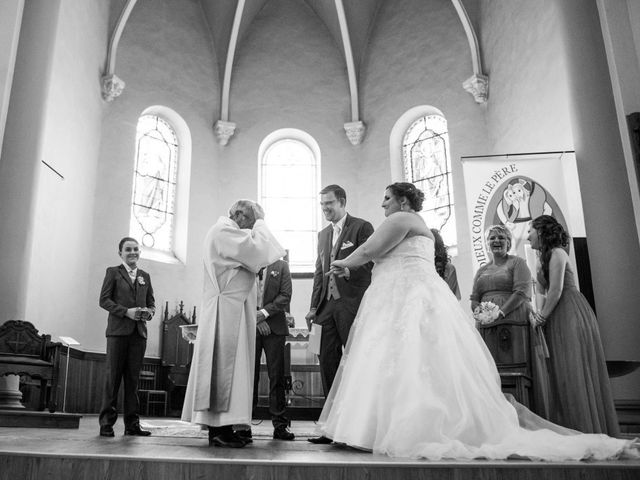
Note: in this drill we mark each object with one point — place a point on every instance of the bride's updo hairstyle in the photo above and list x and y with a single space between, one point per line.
414 195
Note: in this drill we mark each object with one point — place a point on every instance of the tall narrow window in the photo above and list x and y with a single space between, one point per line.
426 163
289 180
154 184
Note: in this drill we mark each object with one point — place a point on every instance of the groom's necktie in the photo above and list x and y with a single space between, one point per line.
332 288
336 234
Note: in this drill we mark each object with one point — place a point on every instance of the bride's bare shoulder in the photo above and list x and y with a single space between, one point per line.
412 222
397 218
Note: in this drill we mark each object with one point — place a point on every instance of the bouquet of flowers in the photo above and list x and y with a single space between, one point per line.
486 312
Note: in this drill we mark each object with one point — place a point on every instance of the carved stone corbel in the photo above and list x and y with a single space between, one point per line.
112 87
478 86
355 131
224 131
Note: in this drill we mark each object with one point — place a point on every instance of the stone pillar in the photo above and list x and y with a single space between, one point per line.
20 162
10 21
614 249
20 159
10 395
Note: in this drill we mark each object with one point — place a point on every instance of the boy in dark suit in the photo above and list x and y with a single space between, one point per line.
274 296
127 295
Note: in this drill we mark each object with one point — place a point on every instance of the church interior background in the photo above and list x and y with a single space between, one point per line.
151 117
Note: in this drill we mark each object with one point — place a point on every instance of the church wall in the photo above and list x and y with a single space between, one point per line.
63 210
608 208
303 85
535 83
165 58
528 88
288 72
418 55
294 89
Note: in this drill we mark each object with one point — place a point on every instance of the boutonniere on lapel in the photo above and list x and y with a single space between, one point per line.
346 244
274 273
141 280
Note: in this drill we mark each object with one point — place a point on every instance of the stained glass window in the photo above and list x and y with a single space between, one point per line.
289 185
154 184
426 163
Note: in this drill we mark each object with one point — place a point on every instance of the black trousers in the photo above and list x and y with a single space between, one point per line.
273 346
336 318
125 355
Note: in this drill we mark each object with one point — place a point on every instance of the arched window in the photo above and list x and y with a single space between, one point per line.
154 184
426 163
289 182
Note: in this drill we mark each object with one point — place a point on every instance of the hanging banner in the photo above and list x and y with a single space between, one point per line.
512 190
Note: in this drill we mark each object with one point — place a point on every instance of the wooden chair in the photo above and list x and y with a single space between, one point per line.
149 395
176 357
24 352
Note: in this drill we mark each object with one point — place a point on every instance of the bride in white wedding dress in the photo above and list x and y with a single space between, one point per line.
416 379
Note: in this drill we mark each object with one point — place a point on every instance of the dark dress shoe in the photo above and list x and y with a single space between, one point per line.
229 440
282 433
137 431
245 435
320 440
106 431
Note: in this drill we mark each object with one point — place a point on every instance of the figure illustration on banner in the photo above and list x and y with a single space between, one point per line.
521 200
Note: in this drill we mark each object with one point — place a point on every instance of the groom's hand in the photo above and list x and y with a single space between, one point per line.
310 317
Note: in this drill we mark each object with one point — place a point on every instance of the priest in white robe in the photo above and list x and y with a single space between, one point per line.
219 391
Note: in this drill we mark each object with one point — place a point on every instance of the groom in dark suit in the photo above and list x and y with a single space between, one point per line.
335 299
127 295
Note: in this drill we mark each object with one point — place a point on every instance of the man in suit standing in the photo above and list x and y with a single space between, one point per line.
335 299
127 295
274 296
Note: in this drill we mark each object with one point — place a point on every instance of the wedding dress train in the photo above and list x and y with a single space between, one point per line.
417 380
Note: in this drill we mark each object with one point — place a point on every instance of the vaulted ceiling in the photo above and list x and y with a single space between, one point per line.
349 22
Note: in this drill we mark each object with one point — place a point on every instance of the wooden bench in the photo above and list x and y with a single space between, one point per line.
24 352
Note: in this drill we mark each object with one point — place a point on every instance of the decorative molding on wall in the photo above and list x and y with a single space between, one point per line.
223 128
478 83
112 86
478 86
355 131
224 131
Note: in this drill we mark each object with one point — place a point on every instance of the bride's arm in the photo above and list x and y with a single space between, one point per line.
392 231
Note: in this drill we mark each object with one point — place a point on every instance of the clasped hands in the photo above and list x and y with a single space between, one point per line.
142 314
258 211
537 319
339 269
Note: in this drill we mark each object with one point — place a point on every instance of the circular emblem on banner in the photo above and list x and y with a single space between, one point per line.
517 201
